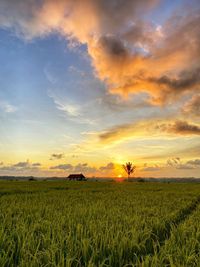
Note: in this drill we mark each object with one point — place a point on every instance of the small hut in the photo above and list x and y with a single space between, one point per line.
76 177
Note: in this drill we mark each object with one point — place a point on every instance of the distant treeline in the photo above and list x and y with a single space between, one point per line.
104 179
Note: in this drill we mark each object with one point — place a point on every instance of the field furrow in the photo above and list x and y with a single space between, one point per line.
90 224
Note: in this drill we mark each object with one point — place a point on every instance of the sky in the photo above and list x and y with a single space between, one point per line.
86 86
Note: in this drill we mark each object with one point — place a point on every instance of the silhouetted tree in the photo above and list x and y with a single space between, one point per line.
129 168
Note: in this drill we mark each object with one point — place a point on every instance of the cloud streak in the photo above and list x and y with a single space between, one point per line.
109 167
155 128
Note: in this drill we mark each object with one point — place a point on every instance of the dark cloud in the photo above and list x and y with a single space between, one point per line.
186 80
80 167
195 162
112 46
184 167
184 128
173 161
37 164
84 168
178 127
21 167
57 156
153 168
109 167
176 163
67 167
22 164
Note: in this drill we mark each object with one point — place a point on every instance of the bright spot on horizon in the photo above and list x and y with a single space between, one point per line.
119 176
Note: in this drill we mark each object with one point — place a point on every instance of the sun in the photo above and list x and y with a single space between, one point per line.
119 176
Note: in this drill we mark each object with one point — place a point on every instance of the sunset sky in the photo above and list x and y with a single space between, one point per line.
88 85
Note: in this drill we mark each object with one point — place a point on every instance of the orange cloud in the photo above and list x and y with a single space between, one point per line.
146 128
129 54
192 107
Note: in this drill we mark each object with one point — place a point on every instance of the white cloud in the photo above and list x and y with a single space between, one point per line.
70 109
73 111
7 107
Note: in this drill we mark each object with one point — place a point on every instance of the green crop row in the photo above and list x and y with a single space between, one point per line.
183 246
90 224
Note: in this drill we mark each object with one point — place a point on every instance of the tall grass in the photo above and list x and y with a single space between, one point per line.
88 224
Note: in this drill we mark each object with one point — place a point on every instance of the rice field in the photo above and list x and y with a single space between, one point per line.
60 223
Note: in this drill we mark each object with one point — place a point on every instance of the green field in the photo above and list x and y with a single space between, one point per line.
59 223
